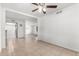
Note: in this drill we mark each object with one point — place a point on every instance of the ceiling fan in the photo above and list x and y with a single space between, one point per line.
41 7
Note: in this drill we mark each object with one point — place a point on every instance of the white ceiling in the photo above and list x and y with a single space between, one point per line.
28 7
15 16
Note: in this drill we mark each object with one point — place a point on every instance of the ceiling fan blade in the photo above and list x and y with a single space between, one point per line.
35 4
51 6
35 10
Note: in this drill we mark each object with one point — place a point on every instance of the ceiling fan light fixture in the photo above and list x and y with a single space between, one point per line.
39 9
44 9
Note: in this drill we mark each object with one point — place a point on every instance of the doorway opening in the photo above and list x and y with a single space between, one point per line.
10 32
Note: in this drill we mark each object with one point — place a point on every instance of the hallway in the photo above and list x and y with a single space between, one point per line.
32 47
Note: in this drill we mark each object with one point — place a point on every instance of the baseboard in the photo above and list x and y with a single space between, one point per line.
58 46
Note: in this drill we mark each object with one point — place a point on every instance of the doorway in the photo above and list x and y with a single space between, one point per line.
10 32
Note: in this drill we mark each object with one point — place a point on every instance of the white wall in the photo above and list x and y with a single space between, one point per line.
2 27
61 29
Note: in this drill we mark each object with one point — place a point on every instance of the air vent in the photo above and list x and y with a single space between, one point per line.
60 11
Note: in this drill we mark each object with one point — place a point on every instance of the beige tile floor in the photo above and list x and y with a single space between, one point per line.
31 47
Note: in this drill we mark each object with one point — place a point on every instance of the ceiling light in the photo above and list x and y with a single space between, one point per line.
44 9
40 9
